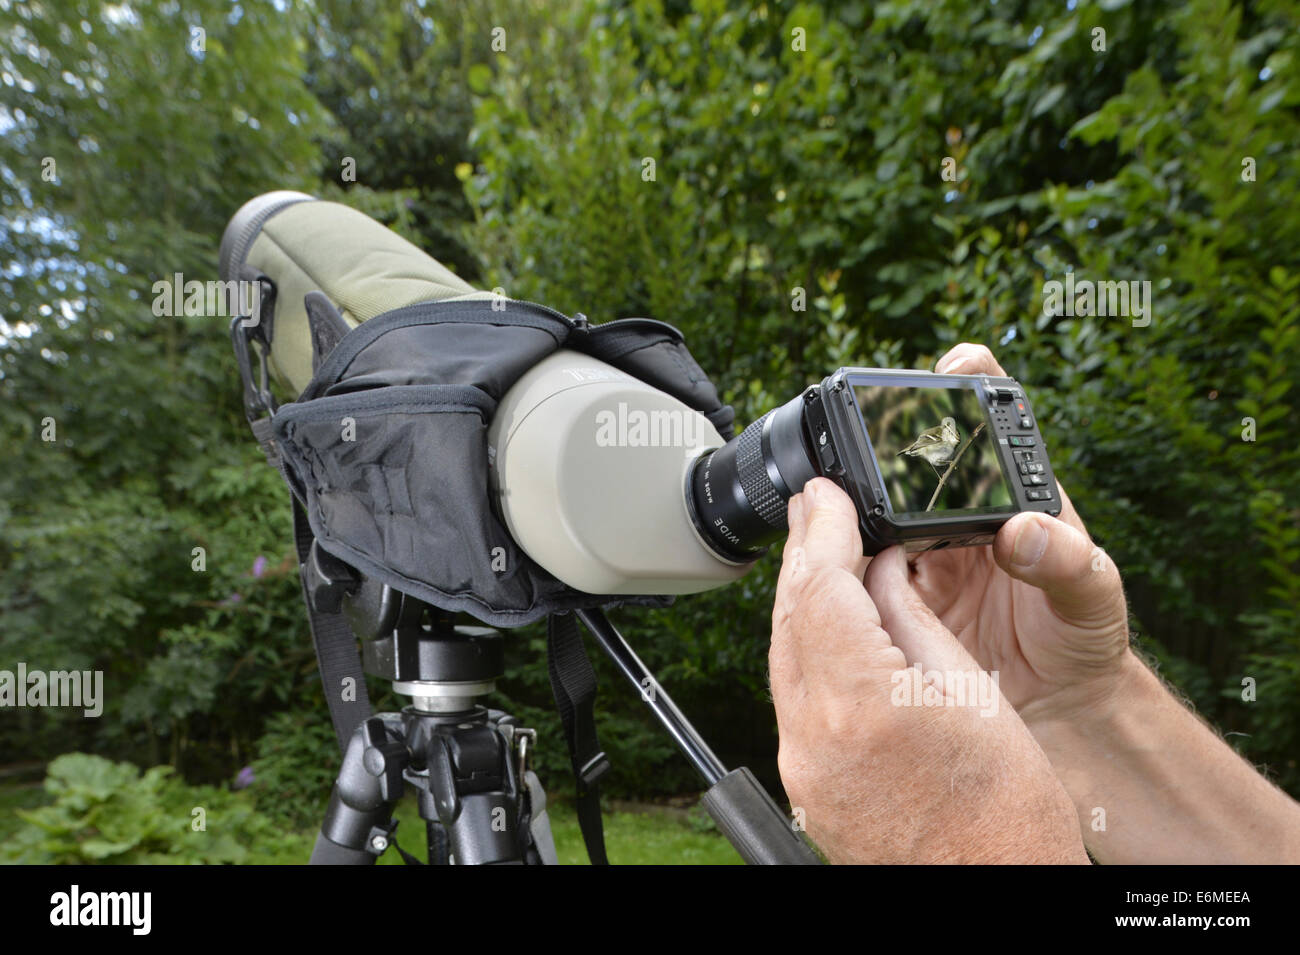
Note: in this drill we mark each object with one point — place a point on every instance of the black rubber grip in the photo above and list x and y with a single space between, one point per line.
757 484
753 824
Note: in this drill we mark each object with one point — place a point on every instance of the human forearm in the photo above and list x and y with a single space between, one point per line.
1168 788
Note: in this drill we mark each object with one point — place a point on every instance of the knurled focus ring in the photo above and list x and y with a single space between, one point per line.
759 490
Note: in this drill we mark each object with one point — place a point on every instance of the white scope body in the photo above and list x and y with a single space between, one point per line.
588 468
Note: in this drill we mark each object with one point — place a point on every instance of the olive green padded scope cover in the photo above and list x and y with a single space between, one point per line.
396 385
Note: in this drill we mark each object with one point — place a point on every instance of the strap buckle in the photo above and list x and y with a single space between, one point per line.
593 769
326 579
245 330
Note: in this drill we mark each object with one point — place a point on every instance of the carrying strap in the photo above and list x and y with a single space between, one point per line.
342 677
341 673
573 682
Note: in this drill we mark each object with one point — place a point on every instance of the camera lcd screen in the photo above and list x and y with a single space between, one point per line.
935 451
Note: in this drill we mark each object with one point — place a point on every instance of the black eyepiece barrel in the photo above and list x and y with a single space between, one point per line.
738 493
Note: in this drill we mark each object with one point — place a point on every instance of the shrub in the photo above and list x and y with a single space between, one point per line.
110 813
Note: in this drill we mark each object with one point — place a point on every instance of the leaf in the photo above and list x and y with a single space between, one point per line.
1271 98
1095 127
479 78
1048 100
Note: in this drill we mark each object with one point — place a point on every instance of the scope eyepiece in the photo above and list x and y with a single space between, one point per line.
738 493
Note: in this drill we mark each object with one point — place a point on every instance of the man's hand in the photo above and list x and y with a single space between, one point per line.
1045 608
880 775
1042 606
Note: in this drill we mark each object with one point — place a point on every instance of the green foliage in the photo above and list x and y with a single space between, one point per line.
106 813
13 798
394 78
154 141
1272 462
297 760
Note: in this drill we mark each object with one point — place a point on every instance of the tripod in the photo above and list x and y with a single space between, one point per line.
469 765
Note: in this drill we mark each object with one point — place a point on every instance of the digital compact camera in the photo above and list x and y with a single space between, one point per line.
929 460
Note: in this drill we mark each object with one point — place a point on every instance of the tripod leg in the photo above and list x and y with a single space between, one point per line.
540 823
357 821
439 845
351 836
475 794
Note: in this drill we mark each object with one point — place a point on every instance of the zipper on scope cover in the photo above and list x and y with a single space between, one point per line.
546 308
636 320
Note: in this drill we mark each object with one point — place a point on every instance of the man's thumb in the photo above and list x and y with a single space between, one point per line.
1079 578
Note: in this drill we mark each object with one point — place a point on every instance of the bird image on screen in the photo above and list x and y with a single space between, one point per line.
936 445
934 450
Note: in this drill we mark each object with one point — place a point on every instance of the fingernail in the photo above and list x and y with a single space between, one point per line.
1030 544
946 367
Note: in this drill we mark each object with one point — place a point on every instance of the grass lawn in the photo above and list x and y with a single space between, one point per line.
631 838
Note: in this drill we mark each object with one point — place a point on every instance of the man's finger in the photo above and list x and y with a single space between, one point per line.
795 520
969 359
822 611
1081 582
829 535
911 625
792 555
